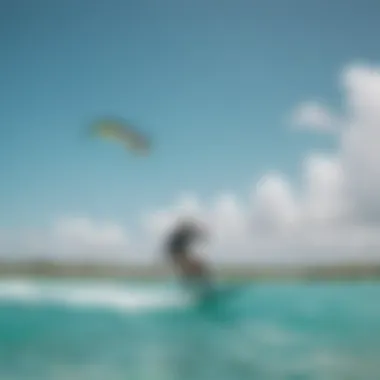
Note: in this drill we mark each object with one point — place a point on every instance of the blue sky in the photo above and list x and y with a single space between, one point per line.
211 81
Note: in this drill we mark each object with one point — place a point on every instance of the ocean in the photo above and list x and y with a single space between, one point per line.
104 330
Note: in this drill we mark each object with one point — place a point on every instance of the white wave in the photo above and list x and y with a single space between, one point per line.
111 296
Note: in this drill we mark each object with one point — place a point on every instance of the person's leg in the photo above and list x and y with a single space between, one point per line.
181 264
195 274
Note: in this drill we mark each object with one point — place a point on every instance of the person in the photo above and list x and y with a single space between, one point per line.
179 248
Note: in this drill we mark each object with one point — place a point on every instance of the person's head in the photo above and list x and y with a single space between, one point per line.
190 224
186 222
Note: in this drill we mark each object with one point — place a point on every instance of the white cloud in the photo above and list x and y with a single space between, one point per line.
76 235
334 215
361 141
73 238
227 218
274 206
325 198
313 116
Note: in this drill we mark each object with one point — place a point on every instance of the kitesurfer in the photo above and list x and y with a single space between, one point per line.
179 249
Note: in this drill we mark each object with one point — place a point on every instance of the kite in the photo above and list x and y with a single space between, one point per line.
123 132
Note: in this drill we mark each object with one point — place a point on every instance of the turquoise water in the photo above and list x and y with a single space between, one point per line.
107 331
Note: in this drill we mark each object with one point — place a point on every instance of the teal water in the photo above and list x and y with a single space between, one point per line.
108 331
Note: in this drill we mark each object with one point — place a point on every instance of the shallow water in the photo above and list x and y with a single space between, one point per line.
88 330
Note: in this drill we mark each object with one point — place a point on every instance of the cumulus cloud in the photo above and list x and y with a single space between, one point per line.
274 206
72 238
333 215
324 198
353 175
313 116
82 234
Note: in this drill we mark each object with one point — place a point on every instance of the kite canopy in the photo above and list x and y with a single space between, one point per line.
121 131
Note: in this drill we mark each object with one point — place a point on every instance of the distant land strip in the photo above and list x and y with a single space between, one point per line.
242 272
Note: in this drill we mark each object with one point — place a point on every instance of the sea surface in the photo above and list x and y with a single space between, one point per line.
79 330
